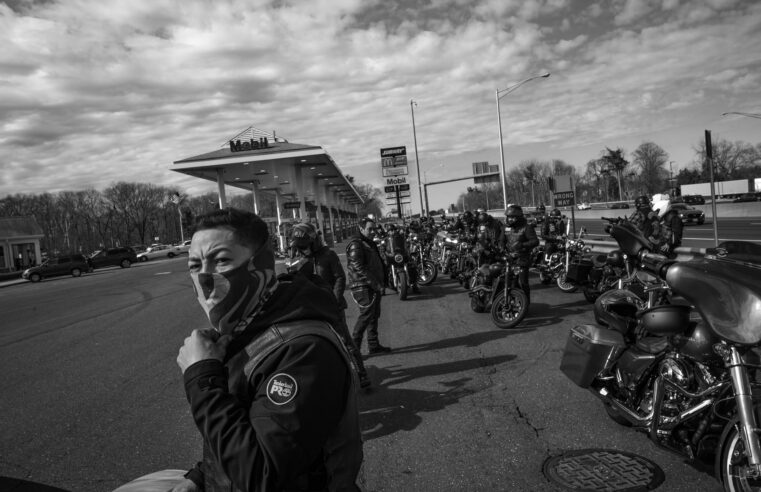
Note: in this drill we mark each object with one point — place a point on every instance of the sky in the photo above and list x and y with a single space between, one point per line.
98 91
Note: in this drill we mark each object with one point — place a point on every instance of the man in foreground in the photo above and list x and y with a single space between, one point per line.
270 385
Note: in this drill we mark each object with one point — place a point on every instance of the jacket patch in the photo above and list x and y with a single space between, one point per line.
281 389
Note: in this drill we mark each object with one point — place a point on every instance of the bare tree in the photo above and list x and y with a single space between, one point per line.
651 160
729 159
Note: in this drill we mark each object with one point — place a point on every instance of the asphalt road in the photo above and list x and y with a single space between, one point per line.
92 396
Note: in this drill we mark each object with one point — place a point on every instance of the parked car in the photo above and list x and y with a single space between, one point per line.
746 197
689 215
74 264
584 206
693 200
183 247
123 257
157 251
620 205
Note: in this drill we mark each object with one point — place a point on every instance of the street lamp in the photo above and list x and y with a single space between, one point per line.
499 94
749 115
417 161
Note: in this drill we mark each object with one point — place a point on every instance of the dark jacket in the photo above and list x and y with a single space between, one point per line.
328 266
520 239
280 412
364 264
552 230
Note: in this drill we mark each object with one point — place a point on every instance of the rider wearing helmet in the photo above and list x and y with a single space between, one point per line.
553 231
646 220
519 237
321 265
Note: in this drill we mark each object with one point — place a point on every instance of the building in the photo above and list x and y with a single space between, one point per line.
19 243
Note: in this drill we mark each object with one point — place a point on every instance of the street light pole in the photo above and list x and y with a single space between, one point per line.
499 94
423 211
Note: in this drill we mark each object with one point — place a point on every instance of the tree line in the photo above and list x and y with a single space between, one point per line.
613 177
130 214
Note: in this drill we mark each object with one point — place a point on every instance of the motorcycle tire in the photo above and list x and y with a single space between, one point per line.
590 295
509 316
401 283
731 457
428 273
476 305
565 285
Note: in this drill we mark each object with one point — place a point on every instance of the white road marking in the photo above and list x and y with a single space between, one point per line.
162 273
720 239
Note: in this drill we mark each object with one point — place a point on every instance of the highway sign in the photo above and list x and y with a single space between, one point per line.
564 199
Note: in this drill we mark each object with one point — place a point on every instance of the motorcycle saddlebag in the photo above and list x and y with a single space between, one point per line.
588 351
578 271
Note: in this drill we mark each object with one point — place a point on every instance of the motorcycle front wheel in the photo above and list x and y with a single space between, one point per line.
564 284
508 313
401 285
428 272
732 464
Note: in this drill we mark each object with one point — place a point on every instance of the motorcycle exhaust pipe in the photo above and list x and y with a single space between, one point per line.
633 418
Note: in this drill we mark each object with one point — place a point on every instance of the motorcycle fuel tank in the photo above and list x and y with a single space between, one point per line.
697 342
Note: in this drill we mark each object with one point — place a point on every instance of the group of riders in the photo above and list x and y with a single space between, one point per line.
492 239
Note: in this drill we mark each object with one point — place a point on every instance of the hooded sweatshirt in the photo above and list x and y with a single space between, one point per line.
268 430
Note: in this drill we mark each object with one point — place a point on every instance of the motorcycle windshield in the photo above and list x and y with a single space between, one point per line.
395 243
726 293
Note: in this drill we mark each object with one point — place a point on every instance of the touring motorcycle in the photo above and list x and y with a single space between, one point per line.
420 252
681 372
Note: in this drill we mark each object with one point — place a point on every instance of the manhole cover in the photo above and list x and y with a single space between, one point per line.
603 470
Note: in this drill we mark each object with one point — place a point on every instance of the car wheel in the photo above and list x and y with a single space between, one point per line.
125 263
170 254
35 277
76 272
143 258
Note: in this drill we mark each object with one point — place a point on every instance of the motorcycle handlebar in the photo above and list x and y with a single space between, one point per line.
655 263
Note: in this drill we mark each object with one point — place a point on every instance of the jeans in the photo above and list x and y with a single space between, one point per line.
369 303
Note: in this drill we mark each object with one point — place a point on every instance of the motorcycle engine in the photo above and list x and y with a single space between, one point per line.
678 372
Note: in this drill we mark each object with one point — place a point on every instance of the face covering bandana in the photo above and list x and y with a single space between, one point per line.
231 299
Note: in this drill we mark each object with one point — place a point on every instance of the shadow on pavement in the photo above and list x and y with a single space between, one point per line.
470 340
8 484
385 410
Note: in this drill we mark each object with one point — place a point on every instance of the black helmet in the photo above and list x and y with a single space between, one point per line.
467 216
555 214
514 210
540 208
483 218
513 214
642 201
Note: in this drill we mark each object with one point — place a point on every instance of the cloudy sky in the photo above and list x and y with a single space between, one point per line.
97 91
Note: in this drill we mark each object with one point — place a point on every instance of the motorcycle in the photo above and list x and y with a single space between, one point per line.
499 292
599 273
401 271
682 373
420 253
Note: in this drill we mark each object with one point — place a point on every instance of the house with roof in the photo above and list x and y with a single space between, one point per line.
19 243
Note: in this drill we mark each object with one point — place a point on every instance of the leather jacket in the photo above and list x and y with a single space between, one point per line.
364 264
519 239
328 266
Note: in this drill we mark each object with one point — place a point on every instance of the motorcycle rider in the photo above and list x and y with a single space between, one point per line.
518 237
323 263
671 228
553 232
646 220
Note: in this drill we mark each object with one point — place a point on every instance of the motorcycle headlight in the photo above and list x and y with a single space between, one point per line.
398 258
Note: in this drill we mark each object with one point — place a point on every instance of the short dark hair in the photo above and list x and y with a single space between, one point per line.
364 220
249 229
